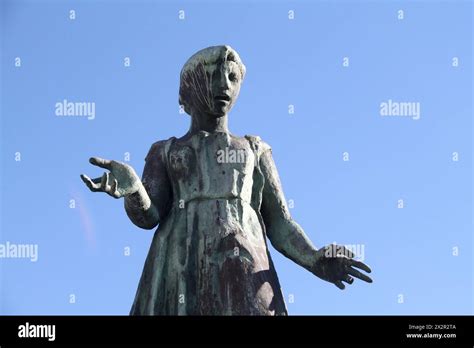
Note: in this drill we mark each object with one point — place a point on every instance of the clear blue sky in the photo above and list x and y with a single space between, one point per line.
298 62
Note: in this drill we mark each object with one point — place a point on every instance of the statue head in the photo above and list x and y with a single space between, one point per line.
210 81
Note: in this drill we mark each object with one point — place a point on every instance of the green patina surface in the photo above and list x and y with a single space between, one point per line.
216 199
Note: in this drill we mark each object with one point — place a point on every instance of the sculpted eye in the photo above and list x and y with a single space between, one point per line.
233 77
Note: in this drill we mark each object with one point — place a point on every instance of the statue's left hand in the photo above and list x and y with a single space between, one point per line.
335 264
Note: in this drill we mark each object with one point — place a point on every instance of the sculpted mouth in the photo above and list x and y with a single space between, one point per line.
222 98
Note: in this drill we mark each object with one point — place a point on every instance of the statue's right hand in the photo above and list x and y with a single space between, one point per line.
121 181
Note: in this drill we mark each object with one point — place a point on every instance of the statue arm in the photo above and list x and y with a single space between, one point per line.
150 203
334 264
283 232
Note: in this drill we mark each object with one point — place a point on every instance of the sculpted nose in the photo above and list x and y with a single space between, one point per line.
223 79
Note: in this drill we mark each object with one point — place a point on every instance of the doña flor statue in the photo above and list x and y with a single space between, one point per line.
216 199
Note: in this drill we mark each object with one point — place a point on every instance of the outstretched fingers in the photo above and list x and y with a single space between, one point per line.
348 279
92 184
360 265
101 162
355 273
104 181
339 284
107 182
113 189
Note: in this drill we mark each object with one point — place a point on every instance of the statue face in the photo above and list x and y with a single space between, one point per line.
224 87
211 88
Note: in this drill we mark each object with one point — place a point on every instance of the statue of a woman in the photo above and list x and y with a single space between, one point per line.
217 198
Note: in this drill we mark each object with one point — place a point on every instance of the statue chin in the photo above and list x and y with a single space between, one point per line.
220 109
218 113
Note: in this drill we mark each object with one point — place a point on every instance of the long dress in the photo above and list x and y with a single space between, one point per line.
209 255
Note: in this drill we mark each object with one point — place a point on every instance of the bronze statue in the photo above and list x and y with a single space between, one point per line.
216 198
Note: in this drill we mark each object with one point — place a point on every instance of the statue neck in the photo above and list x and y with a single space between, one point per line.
208 123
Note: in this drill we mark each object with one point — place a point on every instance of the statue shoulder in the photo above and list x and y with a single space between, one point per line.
158 148
257 144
